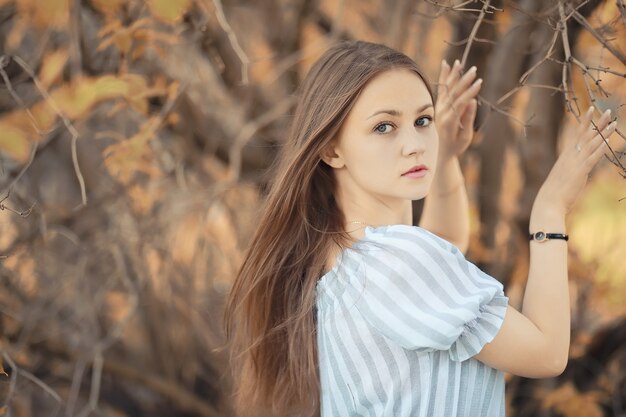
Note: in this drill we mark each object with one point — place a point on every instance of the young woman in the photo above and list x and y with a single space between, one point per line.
343 307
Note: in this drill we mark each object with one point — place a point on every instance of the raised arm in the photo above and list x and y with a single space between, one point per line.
445 208
535 342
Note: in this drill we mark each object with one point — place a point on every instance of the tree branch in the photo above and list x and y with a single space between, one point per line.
584 23
66 122
470 39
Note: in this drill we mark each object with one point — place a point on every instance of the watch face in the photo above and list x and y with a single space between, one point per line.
540 236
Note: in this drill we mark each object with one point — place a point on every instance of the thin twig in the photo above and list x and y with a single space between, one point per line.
473 32
66 122
568 56
524 76
584 23
221 18
519 87
502 112
464 41
94 393
13 380
586 74
4 61
24 213
459 7
622 10
77 378
616 162
40 384
586 71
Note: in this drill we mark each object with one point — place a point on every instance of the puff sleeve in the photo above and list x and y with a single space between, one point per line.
419 291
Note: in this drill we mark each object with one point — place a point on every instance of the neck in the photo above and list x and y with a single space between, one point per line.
374 212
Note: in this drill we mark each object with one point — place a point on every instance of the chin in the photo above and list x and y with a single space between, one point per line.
417 196
421 194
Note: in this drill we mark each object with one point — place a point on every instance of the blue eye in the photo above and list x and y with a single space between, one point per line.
428 118
379 130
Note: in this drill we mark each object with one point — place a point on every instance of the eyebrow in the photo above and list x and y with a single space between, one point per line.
399 113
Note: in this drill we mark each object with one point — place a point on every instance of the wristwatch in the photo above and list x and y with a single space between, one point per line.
542 236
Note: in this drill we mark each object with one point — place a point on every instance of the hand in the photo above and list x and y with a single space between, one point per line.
455 109
570 172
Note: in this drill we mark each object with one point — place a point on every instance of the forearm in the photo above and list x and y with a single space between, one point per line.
446 210
546 299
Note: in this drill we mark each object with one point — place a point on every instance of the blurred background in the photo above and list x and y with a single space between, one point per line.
135 138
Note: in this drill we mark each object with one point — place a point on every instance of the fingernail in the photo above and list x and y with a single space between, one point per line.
457 62
589 110
473 69
612 125
478 81
607 112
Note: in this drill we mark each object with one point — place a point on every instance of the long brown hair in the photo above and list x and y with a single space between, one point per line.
270 315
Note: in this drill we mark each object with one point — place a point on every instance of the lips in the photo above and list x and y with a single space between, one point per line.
417 168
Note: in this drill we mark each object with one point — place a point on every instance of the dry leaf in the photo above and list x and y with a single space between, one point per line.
52 66
114 33
45 14
14 143
107 7
569 402
187 239
15 36
76 99
143 198
168 11
124 159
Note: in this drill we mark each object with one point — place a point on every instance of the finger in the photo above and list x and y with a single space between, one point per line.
598 125
455 73
599 139
468 94
604 135
469 114
444 72
586 118
604 119
463 83
593 159
601 148
585 122
443 76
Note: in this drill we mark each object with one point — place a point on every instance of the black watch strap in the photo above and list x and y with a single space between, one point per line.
542 236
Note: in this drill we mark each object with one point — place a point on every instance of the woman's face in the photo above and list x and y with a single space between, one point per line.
389 130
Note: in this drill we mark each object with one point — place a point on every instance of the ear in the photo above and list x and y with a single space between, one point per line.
332 157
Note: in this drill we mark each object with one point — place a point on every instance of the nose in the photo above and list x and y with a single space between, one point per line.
413 142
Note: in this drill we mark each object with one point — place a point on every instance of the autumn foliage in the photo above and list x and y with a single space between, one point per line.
134 141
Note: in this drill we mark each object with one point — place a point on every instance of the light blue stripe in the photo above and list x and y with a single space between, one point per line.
351 351
348 349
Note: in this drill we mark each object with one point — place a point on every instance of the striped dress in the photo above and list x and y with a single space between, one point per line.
398 319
